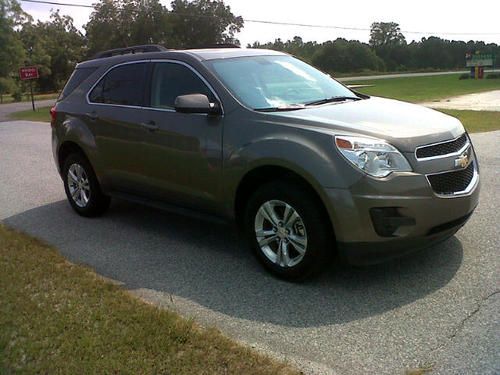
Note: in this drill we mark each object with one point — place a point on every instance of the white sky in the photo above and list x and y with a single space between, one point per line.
437 16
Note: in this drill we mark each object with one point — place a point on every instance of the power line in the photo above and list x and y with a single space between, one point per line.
359 28
54 3
282 23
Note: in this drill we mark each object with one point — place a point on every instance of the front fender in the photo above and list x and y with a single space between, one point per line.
313 158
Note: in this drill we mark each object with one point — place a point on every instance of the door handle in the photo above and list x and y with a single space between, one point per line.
151 126
92 115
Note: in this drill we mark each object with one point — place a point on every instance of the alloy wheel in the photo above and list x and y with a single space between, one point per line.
280 233
79 186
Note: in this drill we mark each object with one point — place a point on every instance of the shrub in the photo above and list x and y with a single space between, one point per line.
464 76
493 76
17 96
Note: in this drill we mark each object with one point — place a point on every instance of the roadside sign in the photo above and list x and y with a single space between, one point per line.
472 60
28 72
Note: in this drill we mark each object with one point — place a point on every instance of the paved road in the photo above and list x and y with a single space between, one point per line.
438 306
7 109
401 75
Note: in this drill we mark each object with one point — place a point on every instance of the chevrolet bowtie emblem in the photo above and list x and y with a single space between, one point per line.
462 161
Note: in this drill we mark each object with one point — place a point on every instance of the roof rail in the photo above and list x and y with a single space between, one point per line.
222 45
134 49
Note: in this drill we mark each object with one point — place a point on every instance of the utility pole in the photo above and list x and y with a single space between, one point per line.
30 51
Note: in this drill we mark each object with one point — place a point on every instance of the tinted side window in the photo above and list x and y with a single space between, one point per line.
122 85
77 77
171 80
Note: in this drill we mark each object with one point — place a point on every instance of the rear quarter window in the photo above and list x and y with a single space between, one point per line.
77 77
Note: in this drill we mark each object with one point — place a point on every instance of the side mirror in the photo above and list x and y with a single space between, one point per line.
195 103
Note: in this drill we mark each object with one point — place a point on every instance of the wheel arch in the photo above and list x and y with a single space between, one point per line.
267 173
67 148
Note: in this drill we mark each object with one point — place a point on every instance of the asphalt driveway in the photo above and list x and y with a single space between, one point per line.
438 307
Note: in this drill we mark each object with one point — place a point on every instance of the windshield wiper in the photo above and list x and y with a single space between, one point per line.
294 107
332 100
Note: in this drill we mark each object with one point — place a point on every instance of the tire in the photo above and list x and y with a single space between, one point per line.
82 187
306 235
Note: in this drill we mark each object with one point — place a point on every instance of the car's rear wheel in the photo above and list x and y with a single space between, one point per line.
287 229
82 187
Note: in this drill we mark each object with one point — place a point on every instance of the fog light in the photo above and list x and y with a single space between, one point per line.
387 220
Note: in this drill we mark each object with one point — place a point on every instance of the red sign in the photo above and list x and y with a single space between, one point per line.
28 72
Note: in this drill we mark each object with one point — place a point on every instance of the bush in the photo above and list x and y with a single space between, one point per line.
493 76
6 86
464 76
17 96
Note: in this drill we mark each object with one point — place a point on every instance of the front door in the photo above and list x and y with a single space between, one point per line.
182 160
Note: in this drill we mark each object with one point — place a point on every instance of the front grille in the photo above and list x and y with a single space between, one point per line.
442 148
452 182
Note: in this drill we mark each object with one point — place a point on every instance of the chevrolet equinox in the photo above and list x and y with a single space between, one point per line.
306 166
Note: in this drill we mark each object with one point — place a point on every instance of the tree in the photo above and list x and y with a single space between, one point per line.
386 33
123 23
11 48
389 44
342 55
201 23
151 24
296 47
65 45
37 54
6 86
104 29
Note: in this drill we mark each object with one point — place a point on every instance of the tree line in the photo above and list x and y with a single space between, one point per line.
56 45
387 51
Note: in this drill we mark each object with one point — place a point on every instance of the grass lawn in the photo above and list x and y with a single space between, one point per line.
476 121
420 89
27 98
57 317
41 114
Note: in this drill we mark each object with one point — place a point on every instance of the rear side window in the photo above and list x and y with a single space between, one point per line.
171 80
77 77
123 85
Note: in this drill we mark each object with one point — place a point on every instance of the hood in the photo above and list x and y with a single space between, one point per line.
402 124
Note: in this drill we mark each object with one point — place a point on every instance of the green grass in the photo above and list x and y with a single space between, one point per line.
476 121
27 97
41 114
61 318
419 89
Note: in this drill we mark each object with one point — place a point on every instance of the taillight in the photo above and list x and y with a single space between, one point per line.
53 116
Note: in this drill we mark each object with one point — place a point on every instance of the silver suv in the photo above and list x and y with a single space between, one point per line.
306 166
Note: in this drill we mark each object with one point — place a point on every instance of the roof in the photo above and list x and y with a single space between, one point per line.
227 53
199 54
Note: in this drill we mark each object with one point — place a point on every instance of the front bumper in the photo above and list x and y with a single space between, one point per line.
420 217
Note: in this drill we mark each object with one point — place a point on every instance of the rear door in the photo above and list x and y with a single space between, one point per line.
116 102
183 152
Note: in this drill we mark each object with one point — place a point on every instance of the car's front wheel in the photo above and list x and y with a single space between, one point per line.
82 187
288 230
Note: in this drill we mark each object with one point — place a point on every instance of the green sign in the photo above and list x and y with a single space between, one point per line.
479 60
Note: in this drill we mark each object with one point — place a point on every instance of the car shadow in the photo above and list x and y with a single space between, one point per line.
208 264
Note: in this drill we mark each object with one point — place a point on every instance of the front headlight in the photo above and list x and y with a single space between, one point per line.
373 156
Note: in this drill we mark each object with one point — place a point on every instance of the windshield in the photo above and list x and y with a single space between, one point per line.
279 82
